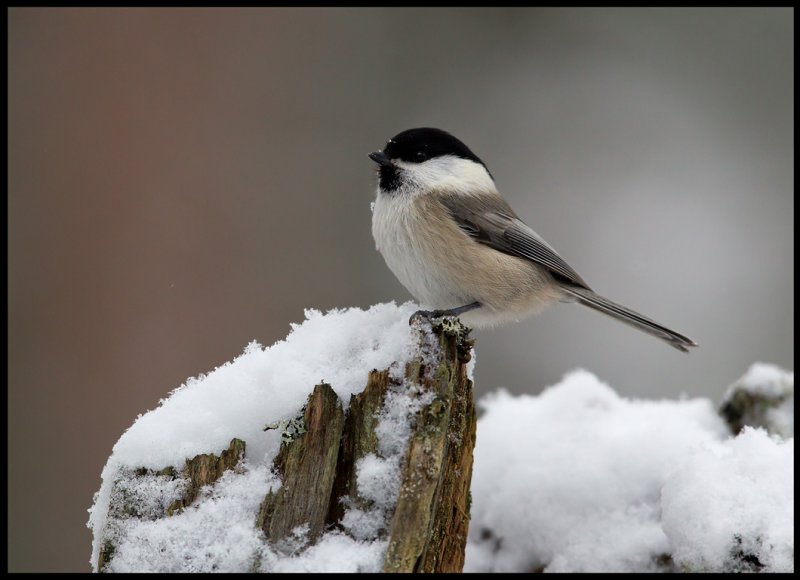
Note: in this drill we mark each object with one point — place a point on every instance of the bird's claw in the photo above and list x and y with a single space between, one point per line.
418 315
427 315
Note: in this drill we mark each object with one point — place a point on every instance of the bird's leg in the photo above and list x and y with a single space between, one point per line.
442 313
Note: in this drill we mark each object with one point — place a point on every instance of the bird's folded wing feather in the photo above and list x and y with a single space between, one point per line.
488 219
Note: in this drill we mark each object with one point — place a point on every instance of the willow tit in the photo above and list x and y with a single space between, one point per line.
458 247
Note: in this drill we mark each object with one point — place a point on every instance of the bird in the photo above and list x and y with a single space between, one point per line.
458 247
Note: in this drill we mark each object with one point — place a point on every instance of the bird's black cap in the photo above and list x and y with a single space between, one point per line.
418 145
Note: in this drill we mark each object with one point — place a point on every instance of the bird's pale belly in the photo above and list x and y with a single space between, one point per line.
443 268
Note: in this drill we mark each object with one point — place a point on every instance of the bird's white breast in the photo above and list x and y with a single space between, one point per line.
403 238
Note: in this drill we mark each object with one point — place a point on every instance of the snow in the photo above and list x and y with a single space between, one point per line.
263 386
574 479
238 399
740 494
767 379
216 534
771 390
579 479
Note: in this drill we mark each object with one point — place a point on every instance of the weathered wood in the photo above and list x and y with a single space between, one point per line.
358 440
205 469
445 550
429 528
307 466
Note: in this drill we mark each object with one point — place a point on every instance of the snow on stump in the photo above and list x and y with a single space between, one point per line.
379 482
763 397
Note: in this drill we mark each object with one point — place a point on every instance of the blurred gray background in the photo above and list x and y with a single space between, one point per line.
183 181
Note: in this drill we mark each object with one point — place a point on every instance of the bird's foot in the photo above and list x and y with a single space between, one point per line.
452 312
427 315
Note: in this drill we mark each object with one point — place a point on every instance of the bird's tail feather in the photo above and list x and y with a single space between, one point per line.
628 316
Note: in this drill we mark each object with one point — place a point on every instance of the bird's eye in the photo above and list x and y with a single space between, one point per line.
420 156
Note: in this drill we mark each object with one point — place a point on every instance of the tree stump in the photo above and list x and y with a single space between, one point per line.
321 451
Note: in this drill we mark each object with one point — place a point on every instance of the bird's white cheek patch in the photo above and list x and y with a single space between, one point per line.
448 172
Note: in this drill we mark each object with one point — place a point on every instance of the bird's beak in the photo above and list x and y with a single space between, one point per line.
381 159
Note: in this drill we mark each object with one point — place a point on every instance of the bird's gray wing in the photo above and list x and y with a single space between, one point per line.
488 219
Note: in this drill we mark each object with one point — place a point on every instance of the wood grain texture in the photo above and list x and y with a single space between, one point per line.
358 440
307 466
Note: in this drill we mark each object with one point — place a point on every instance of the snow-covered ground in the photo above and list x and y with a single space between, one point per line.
579 479
574 479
